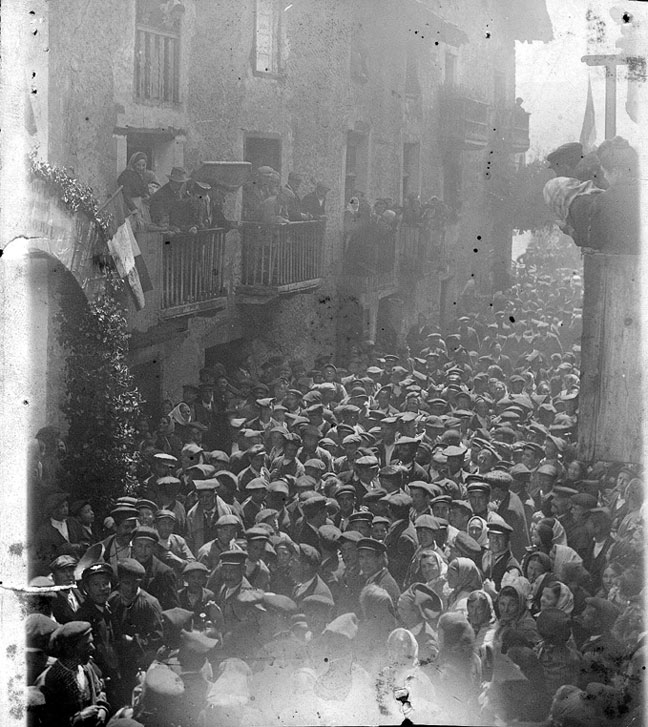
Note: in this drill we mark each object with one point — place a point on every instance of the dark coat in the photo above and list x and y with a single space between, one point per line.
199 606
142 620
511 510
61 609
311 205
49 543
401 543
103 634
160 582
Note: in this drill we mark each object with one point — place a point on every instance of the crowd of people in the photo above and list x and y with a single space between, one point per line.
186 203
411 536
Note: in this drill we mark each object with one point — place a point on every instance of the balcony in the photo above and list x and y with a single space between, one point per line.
281 258
187 271
465 121
512 124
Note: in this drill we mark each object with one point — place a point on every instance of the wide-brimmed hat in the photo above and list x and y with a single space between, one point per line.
178 174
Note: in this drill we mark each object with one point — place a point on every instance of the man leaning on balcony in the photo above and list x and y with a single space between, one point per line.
168 196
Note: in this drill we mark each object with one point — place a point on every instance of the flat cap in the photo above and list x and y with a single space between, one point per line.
367 461
310 555
466 545
68 634
130 567
499 527
398 499
63 561
498 478
478 487
372 544
161 514
233 557
145 533
427 521
606 611
97 569
228 519
206 485
146 503
350 536
197 642
258 483
177 617
256 533
562 491
195 567
361 516
38 629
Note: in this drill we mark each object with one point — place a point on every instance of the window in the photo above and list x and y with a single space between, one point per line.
450 69
410 168
356 164
263 151
157 51
412 84
266 37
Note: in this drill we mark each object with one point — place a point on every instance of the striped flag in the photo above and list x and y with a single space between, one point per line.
126 253
588 129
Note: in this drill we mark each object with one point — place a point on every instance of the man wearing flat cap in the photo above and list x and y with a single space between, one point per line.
304 567
372 559
202 517
510 508
137 622
194 596
233 580
72 686
57 533
159 579
401 541
498 559
117 547
97 580
314 203
314 509
66 604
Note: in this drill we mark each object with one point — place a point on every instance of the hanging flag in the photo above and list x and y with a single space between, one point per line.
126 252
588 129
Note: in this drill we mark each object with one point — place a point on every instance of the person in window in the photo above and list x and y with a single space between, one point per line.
314 203
191 212
290 198
166 198
134 187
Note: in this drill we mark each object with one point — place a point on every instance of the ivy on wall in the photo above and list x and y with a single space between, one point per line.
102 401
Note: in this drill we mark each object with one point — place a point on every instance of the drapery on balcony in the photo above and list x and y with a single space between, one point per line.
465 120
192 270
281 258
157 66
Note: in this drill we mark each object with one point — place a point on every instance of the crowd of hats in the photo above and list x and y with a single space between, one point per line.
362 478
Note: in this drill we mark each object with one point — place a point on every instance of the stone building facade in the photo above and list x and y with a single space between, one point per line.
385 96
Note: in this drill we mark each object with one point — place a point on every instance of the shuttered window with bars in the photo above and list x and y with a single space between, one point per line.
157 53
266 37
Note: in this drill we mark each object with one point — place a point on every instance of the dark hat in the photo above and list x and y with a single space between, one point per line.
54 499
548 469
350 536
420 485
68 634
97 569
78 505
258 483
329 535
265 513
38 629
461 505
130 567
520 472
499 527
233 557
310 555
195 567
361 516
439 499
279 486
146 503
499 479
380 520
427 521
145 533
584 500
479 487
161 514
228 519
390 470
371 544
62 562
398 499
562 491
256 533
218 455
344 490
466 546
178 174
367 461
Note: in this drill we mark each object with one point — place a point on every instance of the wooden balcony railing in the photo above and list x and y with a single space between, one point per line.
465 120
192 270
157 66
284 257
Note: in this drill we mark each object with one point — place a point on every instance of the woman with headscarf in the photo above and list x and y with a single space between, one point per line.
404 690
481 616
537 570
432 570
463 577
513 615
134 187
477 529
180 417
557 595
166 439
547 536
